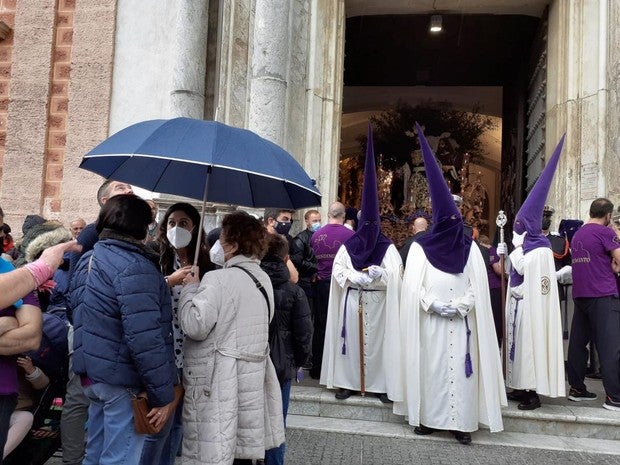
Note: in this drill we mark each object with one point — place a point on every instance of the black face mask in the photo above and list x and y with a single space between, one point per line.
283 227
546 224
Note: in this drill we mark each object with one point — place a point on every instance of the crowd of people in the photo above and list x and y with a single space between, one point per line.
214 327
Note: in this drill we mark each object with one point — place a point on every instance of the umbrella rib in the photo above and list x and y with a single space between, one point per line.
162 175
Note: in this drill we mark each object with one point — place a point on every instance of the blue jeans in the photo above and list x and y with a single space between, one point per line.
161 448
276 456
112 438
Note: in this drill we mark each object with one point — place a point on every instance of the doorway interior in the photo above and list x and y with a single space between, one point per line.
478 65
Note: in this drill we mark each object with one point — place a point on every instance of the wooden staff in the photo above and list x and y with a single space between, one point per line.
360 322
501 222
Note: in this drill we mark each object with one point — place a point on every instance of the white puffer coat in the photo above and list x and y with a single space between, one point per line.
233 405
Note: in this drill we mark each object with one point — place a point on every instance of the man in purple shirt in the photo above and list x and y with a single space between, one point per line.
597 308
325 243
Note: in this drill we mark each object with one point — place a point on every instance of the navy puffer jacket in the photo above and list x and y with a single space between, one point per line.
122 317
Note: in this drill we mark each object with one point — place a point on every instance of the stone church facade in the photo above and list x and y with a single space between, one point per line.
74 71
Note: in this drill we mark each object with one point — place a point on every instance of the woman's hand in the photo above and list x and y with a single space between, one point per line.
159 415
192 276
26 364
178 276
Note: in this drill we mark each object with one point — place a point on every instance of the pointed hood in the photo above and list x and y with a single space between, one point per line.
446 246
368 245
529 216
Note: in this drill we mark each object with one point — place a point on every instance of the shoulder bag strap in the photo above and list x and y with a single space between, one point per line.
259 286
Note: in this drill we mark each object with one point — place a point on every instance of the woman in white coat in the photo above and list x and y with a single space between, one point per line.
233 407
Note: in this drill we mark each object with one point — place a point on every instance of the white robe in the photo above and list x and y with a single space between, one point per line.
381 330
537 335
437 392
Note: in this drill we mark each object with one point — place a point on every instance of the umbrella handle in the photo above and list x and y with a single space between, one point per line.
202 217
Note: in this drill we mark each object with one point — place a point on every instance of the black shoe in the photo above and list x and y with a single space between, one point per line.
343 394
463 438
518 395
315 373
532 402
577 396
383 398
423 430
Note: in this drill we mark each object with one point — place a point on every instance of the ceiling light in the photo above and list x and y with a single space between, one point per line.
435 23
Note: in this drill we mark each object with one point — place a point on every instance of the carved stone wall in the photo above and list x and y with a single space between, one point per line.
582 99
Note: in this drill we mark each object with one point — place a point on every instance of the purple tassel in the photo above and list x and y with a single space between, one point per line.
344 348
514 333
468 367
343 335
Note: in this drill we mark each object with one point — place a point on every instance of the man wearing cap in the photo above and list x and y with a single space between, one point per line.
535 355
451 363
362 336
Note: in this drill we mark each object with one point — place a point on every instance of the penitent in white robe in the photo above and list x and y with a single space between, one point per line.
381 332
536 332
438 394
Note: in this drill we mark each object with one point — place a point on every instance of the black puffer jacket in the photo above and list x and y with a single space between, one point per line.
290 331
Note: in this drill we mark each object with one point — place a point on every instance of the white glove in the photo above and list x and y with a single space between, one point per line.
375 271
565 275
517 239
502 249
443 309
360 279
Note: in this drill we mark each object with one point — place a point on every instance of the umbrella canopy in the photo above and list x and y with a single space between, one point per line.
181 156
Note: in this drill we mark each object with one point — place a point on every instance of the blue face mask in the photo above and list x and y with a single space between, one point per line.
315 227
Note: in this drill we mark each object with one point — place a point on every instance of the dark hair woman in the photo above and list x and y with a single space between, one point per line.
123 332
177 235
177 248
233 406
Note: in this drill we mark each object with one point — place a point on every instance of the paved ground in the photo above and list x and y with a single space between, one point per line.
316 448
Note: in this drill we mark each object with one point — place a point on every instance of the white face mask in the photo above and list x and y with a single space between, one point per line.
178 237
216 254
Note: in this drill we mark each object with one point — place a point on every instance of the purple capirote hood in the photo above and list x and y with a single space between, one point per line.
446 246
368 245
529 216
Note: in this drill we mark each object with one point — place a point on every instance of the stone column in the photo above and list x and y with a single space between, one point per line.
582 100
269 69
187 97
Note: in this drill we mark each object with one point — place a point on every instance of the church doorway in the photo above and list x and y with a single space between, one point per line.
477 87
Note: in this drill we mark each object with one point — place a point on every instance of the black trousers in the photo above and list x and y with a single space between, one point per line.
596 319
7 407
321 302
498 311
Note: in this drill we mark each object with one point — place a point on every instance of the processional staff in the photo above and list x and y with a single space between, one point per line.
360 320
500 221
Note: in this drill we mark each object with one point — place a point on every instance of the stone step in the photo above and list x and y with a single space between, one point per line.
572 420
400 430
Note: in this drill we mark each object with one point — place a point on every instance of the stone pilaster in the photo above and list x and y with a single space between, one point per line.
579 92
187 97
324 97
89 96
22 191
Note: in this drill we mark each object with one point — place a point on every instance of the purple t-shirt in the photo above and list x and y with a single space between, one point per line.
591 251
8 363
325 243
494 280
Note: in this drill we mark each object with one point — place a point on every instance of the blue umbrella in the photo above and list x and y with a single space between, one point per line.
204 160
